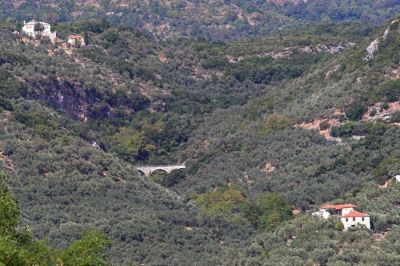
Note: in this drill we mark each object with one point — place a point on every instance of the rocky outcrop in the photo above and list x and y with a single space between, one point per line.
83 103
289 51
373 47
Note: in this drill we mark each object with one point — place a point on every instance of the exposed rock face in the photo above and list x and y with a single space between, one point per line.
380 112
373 48
79 102
323 131
289 51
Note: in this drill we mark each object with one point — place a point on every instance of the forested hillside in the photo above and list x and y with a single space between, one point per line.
324 10
269 128
76 119
330 135
294 129
216 19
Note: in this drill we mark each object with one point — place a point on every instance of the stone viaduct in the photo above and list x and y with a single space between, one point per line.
147 170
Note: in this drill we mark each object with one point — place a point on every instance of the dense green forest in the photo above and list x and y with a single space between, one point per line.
269 128
18 248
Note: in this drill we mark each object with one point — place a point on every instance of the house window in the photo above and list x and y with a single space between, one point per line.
354 218
363 219
347 219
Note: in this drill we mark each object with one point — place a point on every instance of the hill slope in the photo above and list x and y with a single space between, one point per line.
274 132
265 125
74 119
216 19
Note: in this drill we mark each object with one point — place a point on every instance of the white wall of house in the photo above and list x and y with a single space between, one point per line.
322 213
347 210
355 221
75 41
29 29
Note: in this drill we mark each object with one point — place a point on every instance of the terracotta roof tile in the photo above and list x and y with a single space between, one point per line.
355 214
75 37
338 207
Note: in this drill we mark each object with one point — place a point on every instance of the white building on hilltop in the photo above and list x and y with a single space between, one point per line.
355 218
29 29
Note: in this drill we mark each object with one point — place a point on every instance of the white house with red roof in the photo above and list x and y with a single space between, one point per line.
354 219
339 209
348 215
329 209
76 40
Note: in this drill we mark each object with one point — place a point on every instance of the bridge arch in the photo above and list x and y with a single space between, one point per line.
160 170
141 172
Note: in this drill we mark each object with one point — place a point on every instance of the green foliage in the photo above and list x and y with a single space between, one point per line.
325 10
86 252
215 62
128 143
17 247
168 180
339 226
149 135
355 110
221 202
388 91
7 56
111 36
395 117
324 125
94 25
268 211
373 112
5 104
275 122
387 168
9 86
159 102
9 213
344 130
42 123
15 252
159 177
38 27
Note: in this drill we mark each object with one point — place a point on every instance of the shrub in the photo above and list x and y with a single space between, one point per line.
344 130
373 112
5 104
355 110
268 211
385 106
395 117
276 122
339 226
324 125
221 202
389 91
215 62
386 169
9 86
